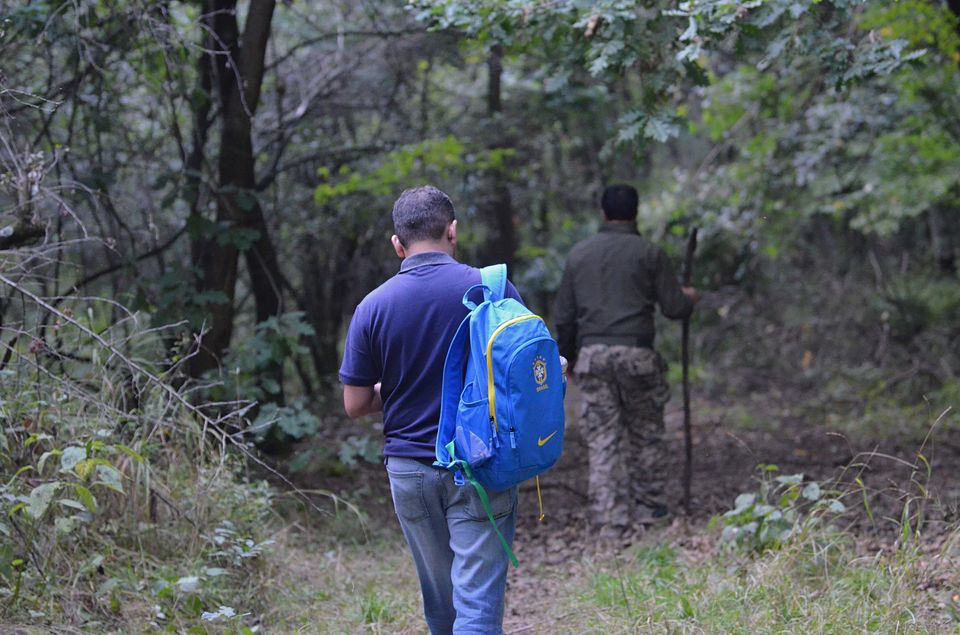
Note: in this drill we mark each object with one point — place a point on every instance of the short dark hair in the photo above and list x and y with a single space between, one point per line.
620 202
421 213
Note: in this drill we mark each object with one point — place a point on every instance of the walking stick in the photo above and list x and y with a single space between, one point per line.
685 360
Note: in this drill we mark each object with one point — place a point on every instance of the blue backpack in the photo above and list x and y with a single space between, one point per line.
501 411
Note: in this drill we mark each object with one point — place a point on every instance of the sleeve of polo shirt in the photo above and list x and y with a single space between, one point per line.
359 367
511 292
565 311
673 303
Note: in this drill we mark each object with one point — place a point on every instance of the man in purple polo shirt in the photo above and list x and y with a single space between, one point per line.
393 362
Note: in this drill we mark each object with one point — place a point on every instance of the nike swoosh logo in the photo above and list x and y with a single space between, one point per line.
543 441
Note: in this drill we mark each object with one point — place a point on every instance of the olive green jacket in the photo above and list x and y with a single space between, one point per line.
611 285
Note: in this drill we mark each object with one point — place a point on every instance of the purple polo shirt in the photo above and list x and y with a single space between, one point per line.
399 336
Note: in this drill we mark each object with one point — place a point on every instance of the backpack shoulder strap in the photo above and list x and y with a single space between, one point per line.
494 277
452 386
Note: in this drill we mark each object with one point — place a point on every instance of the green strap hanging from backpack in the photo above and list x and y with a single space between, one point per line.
485 500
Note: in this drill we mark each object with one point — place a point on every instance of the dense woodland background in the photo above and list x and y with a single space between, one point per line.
195 195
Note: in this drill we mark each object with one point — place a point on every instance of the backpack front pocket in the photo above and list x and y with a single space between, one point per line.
536 391
473 433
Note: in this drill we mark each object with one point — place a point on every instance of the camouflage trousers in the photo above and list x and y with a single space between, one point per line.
623 390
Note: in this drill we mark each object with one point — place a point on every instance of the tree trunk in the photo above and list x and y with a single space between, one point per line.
943 236
497 207
325 285
238 63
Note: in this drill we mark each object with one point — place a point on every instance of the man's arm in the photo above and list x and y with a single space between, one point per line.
362 400
359 370
566 317
676 302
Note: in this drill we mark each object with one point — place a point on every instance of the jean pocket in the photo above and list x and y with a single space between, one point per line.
406 489
501 503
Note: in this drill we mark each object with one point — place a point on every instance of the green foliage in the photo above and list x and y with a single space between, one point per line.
292 420
234 548
174 297
651 579
924 25
913 306
200 591
802 148
363 448
408 166
375 609
670 45
784 508
56 495
273 342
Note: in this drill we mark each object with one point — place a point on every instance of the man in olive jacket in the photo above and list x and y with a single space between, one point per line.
605 307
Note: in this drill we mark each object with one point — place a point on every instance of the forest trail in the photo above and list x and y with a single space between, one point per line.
725 465
561 549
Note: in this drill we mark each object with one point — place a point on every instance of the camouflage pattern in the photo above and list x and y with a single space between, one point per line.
623 390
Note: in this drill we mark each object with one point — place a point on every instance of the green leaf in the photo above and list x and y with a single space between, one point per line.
744 501
69 502
110 477
836 506
194 606
36 437
189 584
162 588
686 607
45 456
792 479
271 386
133 454
86 497
65 526
812 491
70 457
215 572
660 129
84 468
40 498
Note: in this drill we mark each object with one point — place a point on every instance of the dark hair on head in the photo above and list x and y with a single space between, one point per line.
421 213
620 202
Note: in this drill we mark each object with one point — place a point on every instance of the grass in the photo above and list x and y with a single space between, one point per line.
328 586
657 589
336 574
654 588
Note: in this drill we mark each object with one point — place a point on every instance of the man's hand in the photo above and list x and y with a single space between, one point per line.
572 372
362 400
691 293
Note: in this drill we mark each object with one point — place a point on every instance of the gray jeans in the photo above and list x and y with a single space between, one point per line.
461 565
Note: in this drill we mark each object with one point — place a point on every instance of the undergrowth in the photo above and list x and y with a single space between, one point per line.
124 507
785 562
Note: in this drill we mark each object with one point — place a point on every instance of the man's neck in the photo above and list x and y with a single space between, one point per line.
428 246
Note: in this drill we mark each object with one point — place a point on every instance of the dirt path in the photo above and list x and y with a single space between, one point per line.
725 460
726 455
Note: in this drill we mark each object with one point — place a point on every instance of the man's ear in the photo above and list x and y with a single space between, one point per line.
452 232
398 246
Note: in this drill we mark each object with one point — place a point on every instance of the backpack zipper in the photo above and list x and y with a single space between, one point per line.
493 336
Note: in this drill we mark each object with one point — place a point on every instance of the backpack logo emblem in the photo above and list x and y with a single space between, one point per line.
541 441
540 370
